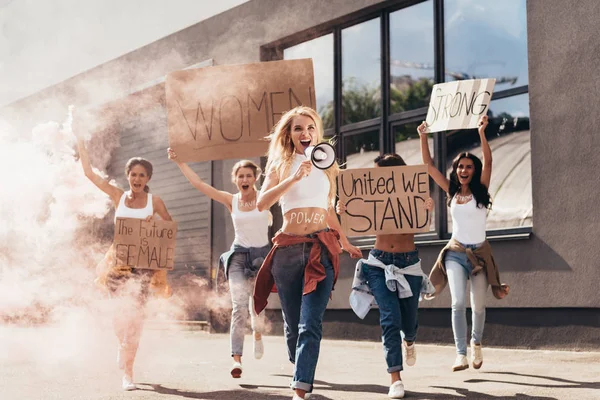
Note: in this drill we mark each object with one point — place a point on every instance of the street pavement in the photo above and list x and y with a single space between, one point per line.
174 363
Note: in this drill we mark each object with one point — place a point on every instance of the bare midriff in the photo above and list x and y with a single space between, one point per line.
305 220
395 243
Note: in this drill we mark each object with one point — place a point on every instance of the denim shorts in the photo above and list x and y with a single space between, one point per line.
462 258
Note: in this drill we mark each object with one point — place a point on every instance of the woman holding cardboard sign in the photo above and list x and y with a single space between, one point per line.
468 255
392 276
130 286
304 262
249 248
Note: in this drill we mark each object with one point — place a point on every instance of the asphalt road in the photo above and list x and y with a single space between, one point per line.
78 362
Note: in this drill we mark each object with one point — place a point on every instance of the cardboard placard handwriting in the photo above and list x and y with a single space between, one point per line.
145 244
226 111
459 104
384 200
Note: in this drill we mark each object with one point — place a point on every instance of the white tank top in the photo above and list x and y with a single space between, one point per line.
311 191
468 222
251 227
125 212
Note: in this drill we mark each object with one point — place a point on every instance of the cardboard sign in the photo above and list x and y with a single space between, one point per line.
384 200
226 111
142 244
459 104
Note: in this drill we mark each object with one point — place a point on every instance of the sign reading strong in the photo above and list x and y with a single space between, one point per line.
223 112
459 104
384 200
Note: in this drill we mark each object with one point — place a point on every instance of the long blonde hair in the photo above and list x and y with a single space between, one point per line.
281 148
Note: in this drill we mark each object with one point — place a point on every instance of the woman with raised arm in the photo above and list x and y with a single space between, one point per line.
304 262
392 276
130 286
468 255
249 248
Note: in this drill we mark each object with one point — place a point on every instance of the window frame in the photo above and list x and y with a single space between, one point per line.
386 123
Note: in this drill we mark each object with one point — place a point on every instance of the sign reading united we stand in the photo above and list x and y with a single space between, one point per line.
459 104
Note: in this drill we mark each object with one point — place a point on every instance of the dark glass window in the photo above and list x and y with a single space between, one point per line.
411 57
486 39
321 52
361 72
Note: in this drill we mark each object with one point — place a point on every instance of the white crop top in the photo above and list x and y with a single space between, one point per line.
251 227
310 191
468 222
125 212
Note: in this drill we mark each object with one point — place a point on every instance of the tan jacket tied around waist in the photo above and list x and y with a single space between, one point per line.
482 260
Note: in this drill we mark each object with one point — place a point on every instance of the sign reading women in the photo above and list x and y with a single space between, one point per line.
145 244
384 200
226 111
459 104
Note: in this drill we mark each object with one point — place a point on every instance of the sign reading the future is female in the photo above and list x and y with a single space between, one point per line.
459 104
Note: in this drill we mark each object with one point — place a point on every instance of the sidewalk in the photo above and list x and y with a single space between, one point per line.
176 364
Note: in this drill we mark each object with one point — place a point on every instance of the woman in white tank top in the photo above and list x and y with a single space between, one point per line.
469 200
129 286
250 246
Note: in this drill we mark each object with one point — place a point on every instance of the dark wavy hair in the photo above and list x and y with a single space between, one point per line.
389 160
479 190
144 163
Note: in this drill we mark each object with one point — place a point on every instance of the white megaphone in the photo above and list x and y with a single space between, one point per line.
322 155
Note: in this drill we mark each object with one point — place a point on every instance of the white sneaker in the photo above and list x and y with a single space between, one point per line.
236 370
476 355
259 349
460 363
128 383
396 390
410 353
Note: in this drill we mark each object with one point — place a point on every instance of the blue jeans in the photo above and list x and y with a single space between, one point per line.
458 269
395 314
242 309
302 315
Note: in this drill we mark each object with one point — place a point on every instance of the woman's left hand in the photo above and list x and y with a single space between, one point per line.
482 124
149 218
352 250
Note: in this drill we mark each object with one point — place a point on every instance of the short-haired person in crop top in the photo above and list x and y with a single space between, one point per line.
249 248
304 262
469 200
129 287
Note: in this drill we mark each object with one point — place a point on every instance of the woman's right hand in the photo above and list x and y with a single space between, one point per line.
422 129
172 155
340 207
303 170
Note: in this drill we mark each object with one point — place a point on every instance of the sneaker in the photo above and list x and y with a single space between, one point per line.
128 383
476 355
259 349
236 370
396 390
460 363
306 397
410 353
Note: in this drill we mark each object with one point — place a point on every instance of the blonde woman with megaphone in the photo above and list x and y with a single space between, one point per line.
303 264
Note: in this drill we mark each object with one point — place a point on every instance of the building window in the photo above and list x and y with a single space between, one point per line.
412 72
361 72
321 52
374 72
